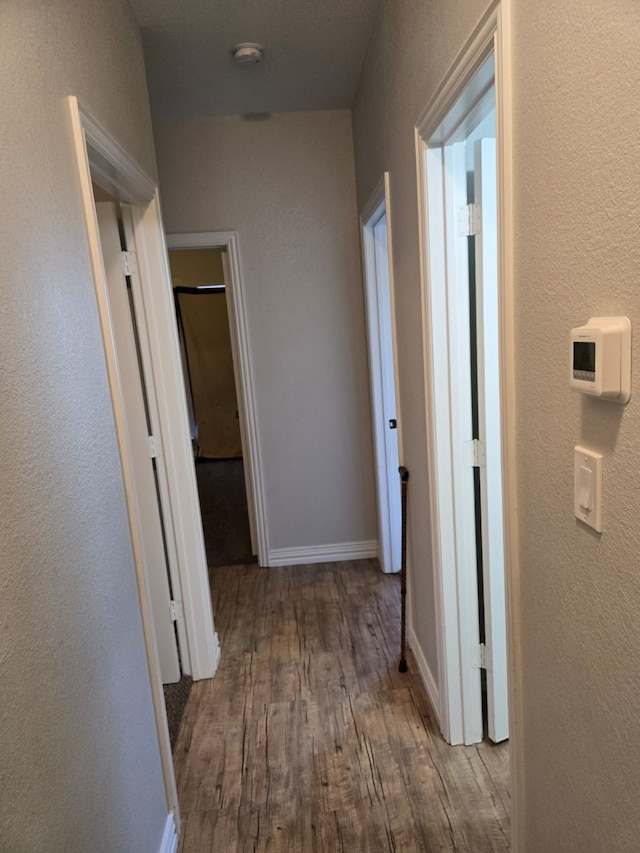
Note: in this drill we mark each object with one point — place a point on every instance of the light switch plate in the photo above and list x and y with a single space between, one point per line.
588 487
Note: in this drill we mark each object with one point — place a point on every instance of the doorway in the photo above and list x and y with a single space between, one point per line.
457 159
228 243
101 160
383 375
210 385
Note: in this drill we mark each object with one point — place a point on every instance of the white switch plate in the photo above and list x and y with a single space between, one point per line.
588 487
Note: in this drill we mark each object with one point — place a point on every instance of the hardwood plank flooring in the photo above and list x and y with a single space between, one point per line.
309 739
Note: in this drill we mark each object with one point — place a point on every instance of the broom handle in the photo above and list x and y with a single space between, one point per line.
404 479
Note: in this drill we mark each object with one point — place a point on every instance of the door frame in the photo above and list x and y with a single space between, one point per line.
369 216
101 158
492 35
229 241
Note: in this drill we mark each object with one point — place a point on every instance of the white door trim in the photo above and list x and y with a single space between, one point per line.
164 487
243 372
378 206
177 458
98 155
492 35
85 131
102 158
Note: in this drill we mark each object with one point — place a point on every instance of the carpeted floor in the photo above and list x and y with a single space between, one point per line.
223 504
225 523
175 699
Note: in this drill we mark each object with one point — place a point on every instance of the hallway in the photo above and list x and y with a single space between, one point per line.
308 738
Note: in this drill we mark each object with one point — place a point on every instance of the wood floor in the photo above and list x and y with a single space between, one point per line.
309 739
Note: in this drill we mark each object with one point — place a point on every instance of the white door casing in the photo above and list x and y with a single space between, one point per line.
386 423
243 374
458 114
140 320
240 398
490 38
101 158
144 493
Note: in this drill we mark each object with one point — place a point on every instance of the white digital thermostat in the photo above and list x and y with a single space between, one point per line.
601 358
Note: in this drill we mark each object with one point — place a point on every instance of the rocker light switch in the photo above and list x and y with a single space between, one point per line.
588 487
584 491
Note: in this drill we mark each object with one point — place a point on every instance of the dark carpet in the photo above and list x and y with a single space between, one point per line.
223 504
175 699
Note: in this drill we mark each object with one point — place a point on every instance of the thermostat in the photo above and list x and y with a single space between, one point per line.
601 358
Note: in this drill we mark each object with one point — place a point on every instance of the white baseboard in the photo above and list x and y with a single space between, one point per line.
426 676
322 553
169 843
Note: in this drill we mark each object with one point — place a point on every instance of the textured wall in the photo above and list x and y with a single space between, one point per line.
577 253
414 45
286 184
576 195
79 762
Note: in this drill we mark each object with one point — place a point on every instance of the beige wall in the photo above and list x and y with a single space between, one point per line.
414 45
193 267
286 184
576 195
79 762
577 199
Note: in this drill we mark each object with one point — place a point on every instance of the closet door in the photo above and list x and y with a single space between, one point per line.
142 494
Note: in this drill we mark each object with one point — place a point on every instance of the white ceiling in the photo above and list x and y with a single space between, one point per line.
313 53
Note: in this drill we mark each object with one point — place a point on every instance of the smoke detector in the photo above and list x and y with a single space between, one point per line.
247 53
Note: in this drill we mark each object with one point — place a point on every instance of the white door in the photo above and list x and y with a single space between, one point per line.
458 201
474 366
382 372
461 423
145 489
492 513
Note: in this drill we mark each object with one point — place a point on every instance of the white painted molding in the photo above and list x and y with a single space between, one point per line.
504 118
426 676
159 309
323 553
375 200
169 843
128 182
238 322
492 32
81 143
473 56
462 70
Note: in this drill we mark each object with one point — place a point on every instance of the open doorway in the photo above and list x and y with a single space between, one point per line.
205 341
103 162
465 332
189 256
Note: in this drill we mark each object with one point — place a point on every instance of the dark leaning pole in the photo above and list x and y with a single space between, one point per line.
404 479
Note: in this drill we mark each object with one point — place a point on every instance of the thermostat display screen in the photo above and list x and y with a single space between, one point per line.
584 356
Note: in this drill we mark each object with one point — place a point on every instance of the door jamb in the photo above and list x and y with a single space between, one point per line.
243 372
98 155
380 197
492 35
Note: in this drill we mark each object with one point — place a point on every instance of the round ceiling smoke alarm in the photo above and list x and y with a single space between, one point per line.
247 53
